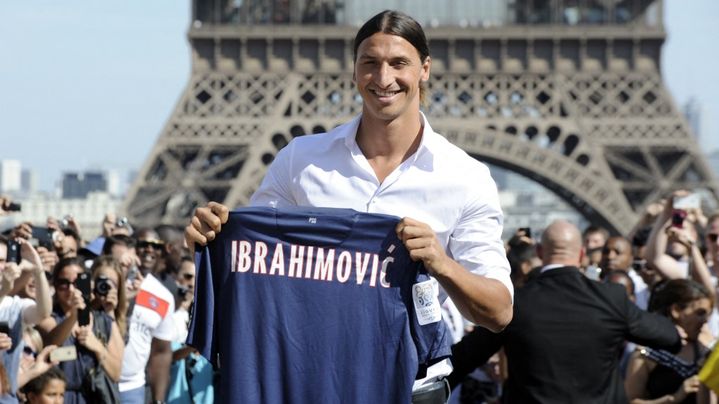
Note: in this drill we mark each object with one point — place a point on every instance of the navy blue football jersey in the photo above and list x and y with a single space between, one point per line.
313 305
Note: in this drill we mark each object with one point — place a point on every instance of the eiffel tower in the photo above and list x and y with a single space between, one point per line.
566 92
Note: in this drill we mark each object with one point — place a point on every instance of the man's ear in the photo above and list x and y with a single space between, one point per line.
675 311
426 67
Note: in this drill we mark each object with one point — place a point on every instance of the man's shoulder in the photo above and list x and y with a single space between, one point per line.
315 142
566 280
153 285
449 155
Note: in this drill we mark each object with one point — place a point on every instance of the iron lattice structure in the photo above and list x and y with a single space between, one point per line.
581 109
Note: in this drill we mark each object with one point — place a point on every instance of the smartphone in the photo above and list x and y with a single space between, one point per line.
678 217
43 235
5 327
64 353
13 252
639 265
82 283
686 202
13 207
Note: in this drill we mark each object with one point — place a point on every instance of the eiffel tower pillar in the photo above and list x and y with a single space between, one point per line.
567 93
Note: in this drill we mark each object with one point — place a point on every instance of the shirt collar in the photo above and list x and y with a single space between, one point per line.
350 135
550 267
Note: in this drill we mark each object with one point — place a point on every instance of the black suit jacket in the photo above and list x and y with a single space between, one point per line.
564 342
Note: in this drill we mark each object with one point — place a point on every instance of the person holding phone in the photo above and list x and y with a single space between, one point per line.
673 248
16 311
96 346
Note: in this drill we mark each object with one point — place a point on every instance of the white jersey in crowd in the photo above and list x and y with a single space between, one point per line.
151 318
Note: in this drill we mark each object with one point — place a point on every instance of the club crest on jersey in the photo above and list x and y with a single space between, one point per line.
152 302
310 262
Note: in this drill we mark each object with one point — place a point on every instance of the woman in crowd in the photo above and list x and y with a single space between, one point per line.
35 359
109 291
48 388
99 344
657 376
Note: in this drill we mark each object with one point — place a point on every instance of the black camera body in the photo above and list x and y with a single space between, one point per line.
103 285
13 252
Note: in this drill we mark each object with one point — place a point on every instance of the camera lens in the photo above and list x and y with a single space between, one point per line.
103 286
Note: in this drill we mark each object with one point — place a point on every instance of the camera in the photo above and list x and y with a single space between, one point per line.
122 222
638 265
103 285
13 252
65 222
44 237
13 207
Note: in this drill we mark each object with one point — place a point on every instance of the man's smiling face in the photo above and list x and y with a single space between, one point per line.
388 73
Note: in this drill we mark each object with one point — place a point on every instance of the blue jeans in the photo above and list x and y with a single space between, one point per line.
134 396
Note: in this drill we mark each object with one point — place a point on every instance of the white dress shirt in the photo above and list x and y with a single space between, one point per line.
439 184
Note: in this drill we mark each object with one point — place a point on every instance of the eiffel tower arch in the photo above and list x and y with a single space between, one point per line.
567 93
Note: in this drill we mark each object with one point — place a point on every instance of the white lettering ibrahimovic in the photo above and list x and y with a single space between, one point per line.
309 262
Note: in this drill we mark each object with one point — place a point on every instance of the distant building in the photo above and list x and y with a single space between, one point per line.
113 183
693 113
28 181
79 185
88 211
10 176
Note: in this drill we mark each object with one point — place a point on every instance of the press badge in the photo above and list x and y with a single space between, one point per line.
426 302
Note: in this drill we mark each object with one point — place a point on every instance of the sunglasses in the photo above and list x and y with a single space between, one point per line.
28 351
64 284
713 237
150 244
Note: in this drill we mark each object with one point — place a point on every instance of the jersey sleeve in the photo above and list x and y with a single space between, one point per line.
166 329
201 331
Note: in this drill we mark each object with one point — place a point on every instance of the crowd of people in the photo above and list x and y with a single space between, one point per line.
105 320
101 320
127 327
573 339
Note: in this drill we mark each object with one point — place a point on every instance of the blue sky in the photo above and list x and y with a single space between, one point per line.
91 84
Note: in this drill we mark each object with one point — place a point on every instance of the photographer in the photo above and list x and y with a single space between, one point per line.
673 248
109 291
98 344
16 257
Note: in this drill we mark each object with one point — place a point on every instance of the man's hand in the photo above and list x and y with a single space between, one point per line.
11 272
48 258
5 205
23 230
30 254
205 224
422 244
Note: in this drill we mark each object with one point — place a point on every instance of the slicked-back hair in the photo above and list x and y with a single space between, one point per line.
397 23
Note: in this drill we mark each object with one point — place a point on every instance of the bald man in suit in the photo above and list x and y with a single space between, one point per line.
564 343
